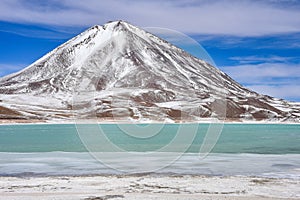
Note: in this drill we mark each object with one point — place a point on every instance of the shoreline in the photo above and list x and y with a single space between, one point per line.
148 187
73 122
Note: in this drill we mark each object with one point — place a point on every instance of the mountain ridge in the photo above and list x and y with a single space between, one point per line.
119 71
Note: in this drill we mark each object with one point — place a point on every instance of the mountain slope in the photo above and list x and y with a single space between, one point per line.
118 71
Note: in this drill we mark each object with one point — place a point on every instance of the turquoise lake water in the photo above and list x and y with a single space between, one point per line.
235 138
265 150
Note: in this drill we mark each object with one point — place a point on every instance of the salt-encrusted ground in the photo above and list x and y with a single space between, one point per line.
147 187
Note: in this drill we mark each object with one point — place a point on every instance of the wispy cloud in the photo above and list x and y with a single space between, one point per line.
10 68
38 31
277 41
287 91
227 17
275 79
261 59
253 74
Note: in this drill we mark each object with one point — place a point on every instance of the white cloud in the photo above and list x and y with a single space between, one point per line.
10 68
279 91
279 80
258 59
241 18
253 74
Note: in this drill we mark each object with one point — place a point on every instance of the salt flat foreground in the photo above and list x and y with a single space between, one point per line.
147 187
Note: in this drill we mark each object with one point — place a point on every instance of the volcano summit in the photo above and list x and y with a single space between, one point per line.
120 72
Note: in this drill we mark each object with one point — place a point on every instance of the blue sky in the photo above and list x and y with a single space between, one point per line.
256 42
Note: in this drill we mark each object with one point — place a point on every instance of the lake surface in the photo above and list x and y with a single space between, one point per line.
235 138
242 149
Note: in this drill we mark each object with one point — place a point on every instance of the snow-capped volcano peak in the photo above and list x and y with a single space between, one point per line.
119 70
76 49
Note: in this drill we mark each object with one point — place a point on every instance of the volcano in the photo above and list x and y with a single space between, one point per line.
120 72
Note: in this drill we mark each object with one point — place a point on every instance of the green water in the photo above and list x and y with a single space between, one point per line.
235 138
